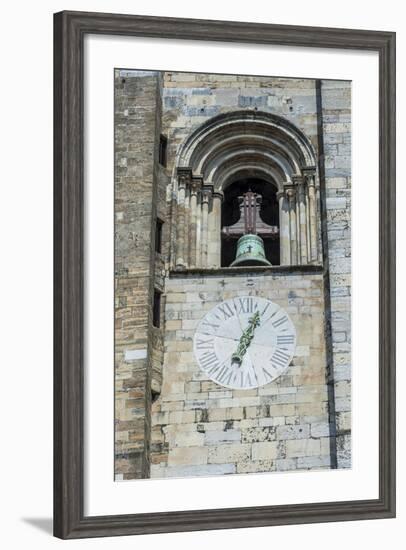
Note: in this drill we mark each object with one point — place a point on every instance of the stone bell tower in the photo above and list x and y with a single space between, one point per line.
233 204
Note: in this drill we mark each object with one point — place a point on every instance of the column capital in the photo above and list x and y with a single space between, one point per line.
218 195
206 193
309 170
184 176
297 179
309 174
195 184
289 188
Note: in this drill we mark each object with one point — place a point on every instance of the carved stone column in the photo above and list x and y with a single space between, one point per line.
187 222
173 224
181 222
310 178
309 252
291 194
214 237
199 230
194 189
204 240
302 226
284 230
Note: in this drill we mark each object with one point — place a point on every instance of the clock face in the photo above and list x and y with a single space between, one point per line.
245 342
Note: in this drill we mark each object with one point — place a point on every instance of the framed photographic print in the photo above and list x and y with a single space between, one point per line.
224 274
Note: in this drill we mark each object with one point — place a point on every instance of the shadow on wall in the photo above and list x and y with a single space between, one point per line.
43 524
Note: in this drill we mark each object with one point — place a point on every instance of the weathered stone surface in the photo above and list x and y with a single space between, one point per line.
136 101
265 450
293 432
229 453
216 437
187 456
336 98
193 471
303 448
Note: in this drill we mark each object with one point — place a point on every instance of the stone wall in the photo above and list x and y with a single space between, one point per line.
136 114
189 99
201 428
336 135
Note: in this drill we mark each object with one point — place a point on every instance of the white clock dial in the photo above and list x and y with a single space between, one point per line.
245 342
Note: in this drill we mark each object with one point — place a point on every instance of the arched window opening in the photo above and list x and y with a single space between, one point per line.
277 162
261 218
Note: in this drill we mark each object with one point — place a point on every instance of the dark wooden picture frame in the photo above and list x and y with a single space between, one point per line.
69 31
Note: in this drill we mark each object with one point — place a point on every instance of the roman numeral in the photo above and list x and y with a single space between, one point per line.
249 381
284 339
267 375
265 308
273 313
279 322
205 344
226 310
225 375
209 360
247 305
214 326
279 358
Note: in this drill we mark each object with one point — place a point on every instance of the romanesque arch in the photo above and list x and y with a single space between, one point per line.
231 147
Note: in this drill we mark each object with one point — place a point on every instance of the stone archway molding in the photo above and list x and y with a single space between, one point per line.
251 137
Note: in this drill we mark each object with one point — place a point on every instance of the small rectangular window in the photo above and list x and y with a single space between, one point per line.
158 235
163 142
156 311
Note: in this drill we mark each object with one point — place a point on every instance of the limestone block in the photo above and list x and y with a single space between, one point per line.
296 431
343 404
314 462
195 471
189 439
320 429
220 394
228 453
285 464
217 414
342 388
217 437
303 447
264 450
188 456
343 421
282 410
258 434
255 466
248 423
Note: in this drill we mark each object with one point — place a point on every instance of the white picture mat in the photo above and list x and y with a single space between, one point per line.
102 494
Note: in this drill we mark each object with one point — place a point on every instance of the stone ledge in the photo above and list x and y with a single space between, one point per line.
285 269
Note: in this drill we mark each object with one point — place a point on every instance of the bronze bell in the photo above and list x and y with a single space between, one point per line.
250 251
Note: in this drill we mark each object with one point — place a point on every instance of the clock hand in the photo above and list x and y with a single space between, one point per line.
246 338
